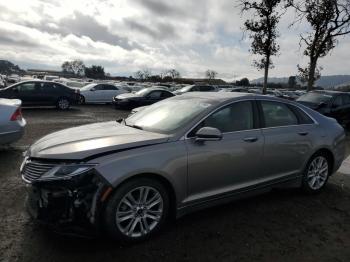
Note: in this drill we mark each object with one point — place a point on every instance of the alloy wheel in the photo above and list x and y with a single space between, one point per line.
317 173
139 211
63 104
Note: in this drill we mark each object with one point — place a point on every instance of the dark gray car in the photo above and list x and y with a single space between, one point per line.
176 156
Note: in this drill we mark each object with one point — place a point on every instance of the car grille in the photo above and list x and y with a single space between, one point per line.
34 170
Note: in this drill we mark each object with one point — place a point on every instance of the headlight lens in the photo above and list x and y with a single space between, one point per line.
66 171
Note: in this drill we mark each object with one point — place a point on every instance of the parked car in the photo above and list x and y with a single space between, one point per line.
99 93
176 156
330 103
196 88
12 123
41 93
144 97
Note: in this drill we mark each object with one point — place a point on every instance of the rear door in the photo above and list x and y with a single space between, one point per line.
287 140
340 108
109 91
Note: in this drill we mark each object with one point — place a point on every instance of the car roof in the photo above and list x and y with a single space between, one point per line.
329 92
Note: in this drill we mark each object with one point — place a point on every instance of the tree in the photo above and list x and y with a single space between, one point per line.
173 73
75 67
138 75
329 19
95 72
210 74
292 82
262 28
243 82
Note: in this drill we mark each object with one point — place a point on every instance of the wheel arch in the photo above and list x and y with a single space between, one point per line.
328 153
160 178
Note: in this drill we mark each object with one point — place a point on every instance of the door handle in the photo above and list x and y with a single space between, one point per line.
303 133
250 139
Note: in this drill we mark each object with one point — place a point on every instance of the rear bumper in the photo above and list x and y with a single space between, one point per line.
17 131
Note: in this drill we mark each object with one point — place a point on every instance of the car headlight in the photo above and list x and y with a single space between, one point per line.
67 171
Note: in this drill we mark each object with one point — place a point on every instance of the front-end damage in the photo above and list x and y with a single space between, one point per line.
70 205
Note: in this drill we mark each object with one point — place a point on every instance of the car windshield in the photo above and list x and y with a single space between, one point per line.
315 98
186 89
87 87
168 115
142 92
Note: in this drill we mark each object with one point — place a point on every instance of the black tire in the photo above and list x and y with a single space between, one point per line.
113 228
81 100
63 103
308 179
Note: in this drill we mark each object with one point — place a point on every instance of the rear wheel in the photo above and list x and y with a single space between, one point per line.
316 173
63 103
137 210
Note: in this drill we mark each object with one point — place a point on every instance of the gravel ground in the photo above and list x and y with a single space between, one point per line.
278 226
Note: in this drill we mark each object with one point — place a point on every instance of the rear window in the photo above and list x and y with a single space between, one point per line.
315 98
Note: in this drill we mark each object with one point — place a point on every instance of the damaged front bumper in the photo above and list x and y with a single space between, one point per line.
71 206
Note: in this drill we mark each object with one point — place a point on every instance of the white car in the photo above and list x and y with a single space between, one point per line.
99 93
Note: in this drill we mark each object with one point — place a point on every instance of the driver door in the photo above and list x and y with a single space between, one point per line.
235 162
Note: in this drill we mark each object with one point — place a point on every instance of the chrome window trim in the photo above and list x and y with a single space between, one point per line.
185 137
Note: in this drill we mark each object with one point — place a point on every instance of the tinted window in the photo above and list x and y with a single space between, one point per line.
109 87
338 101
303 117
346 99
155 94
236 117
278 114
195 89
166 94
98 87
206 88
26 87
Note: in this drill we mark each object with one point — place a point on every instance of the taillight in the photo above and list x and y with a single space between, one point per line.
17 115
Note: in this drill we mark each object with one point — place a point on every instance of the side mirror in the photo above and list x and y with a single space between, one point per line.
208 134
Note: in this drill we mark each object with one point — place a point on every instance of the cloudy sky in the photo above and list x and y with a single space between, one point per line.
124 36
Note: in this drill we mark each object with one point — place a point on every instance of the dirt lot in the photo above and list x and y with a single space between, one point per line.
278 226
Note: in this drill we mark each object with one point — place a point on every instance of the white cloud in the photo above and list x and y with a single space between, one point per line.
125 36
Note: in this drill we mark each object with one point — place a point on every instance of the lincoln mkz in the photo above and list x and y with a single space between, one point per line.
182 154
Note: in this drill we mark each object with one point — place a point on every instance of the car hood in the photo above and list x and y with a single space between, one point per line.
87 141
127 95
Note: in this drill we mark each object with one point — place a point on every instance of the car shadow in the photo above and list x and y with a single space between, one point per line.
280 220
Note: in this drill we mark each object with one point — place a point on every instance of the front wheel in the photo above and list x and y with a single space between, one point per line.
316 173
137 210
63 103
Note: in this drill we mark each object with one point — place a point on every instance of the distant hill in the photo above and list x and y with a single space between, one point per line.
8 68
324 81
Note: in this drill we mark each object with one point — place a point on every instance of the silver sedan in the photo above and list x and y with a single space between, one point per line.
11 121
176 156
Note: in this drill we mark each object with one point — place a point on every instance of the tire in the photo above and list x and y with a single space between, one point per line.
63 103
81 100
316 173
130 220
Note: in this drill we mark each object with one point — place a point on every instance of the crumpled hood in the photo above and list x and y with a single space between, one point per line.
86 141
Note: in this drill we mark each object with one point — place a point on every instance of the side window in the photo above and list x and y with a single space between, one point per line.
278 114
155 94
26 87
109 87
303 117
98 87
195 89
206 88
235 117
346 100
166 94
338 101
